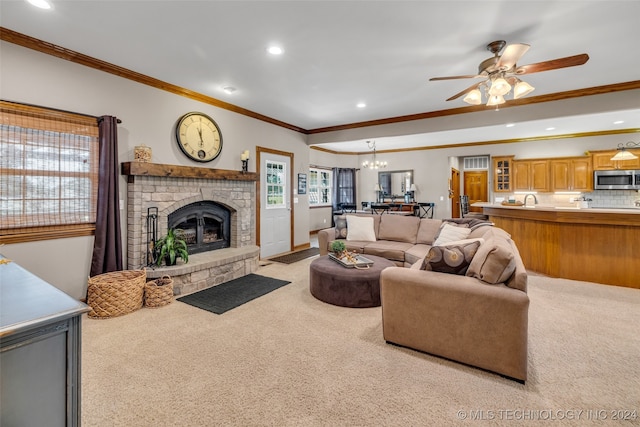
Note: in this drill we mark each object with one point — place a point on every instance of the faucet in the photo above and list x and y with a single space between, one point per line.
535 199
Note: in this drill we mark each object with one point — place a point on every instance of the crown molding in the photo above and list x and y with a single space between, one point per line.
88 61
489 142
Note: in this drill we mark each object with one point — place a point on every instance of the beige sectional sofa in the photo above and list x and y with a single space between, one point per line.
478 316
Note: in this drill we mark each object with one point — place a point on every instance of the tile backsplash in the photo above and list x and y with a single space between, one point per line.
612 198
599 198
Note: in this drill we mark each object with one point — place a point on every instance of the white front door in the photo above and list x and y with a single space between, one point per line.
275 206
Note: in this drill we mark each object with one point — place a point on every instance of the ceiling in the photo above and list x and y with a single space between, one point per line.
340 53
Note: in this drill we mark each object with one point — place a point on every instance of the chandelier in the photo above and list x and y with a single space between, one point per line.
623 154
496 87
375 164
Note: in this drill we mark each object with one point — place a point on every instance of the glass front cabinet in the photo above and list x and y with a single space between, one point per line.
503 174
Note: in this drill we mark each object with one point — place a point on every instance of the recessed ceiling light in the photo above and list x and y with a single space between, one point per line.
618 122
510 125
275 50
361 105
551 128
229 89
42 4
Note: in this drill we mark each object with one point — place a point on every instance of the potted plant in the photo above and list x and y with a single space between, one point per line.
171 247
338 248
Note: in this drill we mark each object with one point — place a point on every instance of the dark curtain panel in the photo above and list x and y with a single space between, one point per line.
344 186
107 247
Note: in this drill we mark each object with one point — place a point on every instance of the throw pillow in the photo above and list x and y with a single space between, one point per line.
340 222
494 262
453 258
451 233
360 228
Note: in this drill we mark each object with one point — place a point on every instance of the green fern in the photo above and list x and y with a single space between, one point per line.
171 247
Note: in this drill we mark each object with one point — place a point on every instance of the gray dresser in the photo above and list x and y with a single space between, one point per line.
39 351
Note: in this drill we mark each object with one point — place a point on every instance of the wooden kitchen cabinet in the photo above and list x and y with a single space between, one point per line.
602 160
571 174
502 174
531 175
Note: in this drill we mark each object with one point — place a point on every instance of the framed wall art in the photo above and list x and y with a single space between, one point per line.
302 183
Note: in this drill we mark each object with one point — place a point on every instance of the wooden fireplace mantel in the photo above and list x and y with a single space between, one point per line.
176 171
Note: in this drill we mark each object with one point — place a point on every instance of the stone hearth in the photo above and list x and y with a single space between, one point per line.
168 188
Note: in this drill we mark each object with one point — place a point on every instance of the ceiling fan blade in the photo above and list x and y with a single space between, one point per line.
464 92
432 79
569 61
511 55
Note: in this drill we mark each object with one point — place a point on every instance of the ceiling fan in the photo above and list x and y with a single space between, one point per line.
500 73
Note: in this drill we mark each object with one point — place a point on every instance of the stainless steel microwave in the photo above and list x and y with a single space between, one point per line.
616 180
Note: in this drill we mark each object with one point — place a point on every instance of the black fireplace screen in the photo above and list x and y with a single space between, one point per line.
205 226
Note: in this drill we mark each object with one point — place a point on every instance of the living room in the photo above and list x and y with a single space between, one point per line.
149 115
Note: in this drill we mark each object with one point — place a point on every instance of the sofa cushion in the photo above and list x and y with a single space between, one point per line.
398 228
453 258
340 223
394 251
480 231
360 228
472 223
416 253
451 233
355 245
494 262
427 231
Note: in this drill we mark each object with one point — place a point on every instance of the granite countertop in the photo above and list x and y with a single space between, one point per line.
542 207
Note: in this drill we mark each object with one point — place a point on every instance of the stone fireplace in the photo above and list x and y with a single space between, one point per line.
214 207
204 225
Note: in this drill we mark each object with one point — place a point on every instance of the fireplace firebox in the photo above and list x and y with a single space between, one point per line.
205 225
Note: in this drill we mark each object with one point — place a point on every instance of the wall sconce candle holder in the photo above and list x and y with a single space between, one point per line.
244 157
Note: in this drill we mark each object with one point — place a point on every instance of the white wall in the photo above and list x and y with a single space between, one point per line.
148 117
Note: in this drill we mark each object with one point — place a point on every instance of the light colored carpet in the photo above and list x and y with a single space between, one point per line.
287 359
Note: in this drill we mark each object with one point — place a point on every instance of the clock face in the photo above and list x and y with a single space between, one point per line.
199 137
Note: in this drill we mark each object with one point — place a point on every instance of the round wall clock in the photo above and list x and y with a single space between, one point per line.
199 137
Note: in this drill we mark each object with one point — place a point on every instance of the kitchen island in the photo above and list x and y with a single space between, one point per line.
593 244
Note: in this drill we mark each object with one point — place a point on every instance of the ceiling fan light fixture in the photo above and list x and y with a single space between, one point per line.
499 87
495 100
522 89
474 97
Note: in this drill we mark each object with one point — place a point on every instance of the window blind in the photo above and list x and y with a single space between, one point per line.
48 173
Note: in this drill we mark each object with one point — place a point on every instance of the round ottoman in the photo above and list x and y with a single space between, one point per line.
347 287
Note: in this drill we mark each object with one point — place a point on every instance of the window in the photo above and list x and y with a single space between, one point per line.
48 173
276 185
320 181
476 163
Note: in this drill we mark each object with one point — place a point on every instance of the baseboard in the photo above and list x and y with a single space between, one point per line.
301 247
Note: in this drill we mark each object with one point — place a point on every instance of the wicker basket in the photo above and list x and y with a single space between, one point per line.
116 293
142 153
159 292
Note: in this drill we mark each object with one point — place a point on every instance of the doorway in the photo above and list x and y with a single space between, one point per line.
475 186
275 210
454 193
